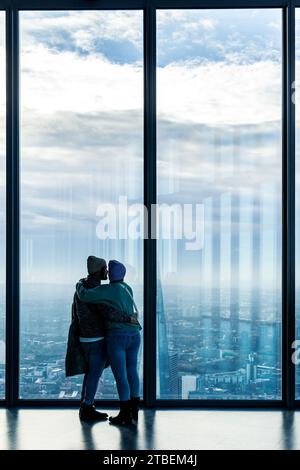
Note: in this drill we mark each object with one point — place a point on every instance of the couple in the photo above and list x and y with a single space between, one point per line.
109 334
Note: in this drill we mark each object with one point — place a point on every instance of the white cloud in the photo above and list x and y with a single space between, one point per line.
208 23
82 119
218 93
82 125
211 93
83 27
53 82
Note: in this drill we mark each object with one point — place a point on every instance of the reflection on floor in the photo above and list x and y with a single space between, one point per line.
157 429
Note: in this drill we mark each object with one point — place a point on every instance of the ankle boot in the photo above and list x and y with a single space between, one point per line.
135 406
89 413
124 416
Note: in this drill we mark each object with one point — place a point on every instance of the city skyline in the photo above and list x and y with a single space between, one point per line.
214 364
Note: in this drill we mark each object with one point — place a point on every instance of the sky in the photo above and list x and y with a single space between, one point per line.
219 133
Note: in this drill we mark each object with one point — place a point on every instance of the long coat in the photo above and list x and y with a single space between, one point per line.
75 361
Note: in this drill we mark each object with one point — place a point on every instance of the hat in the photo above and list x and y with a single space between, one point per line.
116 270
95 265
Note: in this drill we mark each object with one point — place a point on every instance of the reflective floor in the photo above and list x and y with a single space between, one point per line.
157 429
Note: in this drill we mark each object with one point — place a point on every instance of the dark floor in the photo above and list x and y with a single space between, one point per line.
159 429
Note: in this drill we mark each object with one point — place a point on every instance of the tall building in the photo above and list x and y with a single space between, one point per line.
257 230
251 369
163 362
216 249
235 253
175 385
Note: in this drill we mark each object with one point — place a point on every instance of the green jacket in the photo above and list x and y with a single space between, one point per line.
112 294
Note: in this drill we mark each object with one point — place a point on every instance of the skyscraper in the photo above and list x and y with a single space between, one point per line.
163 362
235 252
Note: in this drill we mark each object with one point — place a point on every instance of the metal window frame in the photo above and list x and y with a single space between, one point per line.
149 7
288 207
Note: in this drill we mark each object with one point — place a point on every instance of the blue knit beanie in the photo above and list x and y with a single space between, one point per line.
116 270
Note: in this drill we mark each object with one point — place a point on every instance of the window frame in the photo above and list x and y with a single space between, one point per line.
149 7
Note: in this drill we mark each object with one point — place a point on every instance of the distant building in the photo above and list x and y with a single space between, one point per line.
188 384
163 364
67 395
251 369
175 383
2 352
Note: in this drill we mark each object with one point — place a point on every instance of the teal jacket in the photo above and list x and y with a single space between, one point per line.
112 294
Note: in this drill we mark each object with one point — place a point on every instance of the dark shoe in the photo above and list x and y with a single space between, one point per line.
89 413
124 416
134 407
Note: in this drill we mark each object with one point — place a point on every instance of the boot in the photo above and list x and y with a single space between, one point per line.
89 413
135 406
124 416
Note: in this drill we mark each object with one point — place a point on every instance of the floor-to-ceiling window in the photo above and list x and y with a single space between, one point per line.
2 203
219 153
81 157
219 192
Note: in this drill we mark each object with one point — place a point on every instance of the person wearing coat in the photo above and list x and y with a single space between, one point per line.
86 351
123 339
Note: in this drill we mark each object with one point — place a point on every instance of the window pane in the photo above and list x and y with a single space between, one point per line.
81 147
219 161
2 203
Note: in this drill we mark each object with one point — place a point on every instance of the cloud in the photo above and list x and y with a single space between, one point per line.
82 119
84 32
219 111
67 82
220 93
238 36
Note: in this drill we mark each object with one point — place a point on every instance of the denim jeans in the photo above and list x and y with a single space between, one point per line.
122 349
96 356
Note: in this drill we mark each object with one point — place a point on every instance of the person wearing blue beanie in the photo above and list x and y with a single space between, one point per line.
116 271
123 339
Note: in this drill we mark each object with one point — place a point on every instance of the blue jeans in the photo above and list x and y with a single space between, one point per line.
122 349
96 356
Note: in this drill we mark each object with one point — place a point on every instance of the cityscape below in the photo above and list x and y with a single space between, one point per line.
203 350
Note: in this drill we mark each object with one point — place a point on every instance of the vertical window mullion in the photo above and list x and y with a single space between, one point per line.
149 199
288 215
12 206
